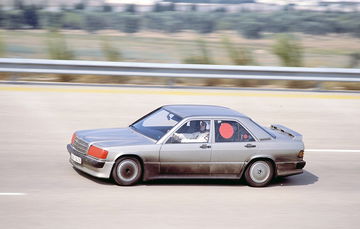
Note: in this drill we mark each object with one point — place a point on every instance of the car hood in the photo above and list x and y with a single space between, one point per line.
114 137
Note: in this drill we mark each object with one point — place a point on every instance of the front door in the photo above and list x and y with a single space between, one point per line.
188 150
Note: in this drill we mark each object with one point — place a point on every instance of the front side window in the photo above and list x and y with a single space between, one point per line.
195 131
231 131
156 124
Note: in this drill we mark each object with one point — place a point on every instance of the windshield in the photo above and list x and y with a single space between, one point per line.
156 124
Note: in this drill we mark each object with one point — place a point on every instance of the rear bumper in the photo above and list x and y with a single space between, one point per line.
95 167
289 168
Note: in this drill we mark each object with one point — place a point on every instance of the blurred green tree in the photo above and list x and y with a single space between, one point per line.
52 21
289 50
71 20
14 19
57 47
2 16
2 46
94 22
354 60
356 30
130 24
107 8
220 10
130 8
204 56
171 7
251 29
19 4
157 7
80 5
239 56
110 51
206 25
31 16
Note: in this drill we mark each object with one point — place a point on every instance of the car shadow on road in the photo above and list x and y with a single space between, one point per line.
306 178
191 182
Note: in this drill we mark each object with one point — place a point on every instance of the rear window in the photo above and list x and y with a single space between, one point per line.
262 133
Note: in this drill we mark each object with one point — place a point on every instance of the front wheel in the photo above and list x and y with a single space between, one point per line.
259 173
127 171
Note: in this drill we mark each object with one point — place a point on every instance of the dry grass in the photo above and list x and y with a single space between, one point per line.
341 86
4 76
320 51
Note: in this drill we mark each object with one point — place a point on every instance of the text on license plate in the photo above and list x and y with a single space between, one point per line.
75 158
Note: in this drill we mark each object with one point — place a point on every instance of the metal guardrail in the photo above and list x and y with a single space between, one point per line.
73 67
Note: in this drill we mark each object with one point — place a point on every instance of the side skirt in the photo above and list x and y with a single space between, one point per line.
152 172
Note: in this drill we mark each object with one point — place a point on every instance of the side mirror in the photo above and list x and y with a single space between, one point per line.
173 139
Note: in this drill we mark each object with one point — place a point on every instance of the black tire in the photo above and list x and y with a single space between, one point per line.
259 173
127 171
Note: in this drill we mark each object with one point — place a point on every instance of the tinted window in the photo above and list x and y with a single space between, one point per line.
231 131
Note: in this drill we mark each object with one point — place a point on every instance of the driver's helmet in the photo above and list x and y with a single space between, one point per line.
202 126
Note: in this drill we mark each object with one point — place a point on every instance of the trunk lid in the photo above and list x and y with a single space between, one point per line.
280 129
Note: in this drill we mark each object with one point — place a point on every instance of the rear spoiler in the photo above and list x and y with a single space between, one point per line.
295 135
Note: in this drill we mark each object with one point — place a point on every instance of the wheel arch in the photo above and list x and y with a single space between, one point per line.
258 158
130 155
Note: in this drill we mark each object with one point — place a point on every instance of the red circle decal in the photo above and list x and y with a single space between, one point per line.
226 130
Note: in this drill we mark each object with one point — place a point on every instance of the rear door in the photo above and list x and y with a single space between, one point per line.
232 145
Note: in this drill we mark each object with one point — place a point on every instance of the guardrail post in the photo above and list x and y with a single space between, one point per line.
320 86
14 78
170 82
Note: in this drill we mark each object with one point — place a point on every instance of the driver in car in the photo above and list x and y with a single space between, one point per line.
200 135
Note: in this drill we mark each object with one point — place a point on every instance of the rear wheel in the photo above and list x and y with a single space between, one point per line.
259 173
127 171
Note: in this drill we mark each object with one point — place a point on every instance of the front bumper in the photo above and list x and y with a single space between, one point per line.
289 168
95 167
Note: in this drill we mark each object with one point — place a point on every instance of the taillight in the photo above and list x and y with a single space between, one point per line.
97 152
301 154
73 138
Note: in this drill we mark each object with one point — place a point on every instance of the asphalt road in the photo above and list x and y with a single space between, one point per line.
40 189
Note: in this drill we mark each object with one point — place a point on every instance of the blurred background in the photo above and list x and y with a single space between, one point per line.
308 33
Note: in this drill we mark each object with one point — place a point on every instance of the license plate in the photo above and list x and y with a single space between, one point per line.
75 158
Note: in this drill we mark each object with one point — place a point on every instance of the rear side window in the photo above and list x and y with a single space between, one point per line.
231 131
261 132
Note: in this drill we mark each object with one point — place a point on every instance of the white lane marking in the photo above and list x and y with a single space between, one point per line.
12 194
334 150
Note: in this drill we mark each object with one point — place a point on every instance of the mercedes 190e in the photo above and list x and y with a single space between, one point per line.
189 141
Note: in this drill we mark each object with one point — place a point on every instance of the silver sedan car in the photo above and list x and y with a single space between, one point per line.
189 141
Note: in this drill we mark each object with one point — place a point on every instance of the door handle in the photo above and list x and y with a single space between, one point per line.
250 145
205 146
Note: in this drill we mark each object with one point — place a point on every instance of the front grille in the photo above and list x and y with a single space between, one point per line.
80 145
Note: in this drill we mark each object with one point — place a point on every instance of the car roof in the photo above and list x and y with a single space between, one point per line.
202 110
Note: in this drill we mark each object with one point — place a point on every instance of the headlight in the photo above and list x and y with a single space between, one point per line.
73 138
